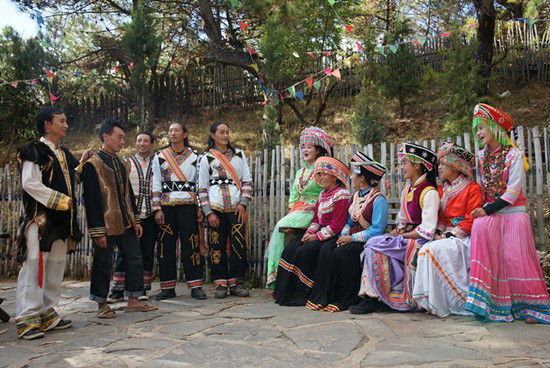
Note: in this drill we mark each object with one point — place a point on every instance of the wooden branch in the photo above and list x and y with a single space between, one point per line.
296 111
117 7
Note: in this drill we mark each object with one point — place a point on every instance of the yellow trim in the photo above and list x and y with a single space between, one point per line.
63 204
424 191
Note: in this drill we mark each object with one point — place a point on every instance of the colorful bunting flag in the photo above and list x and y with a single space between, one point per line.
243 25
131 65
331 2
309 81
311 54
327 53
252 52
359 47
14 84
34 81
77 74
393 48
336 73
53 98
295 54
349 28
300 95
347 62
50 76
446 34
380 50
420 41
292 90
280 96
531 22
255 67
94 71
44 43
317 85
235 3
116 69
328 71
175 61
473 25
39 20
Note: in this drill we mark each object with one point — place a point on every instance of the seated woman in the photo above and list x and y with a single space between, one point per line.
390 260
443 265
338 273
506 280
299 259
314 142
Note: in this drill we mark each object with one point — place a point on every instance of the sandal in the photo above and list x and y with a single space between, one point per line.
141 307
105 312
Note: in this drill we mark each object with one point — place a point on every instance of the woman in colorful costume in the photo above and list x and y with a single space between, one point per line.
225 190
390 260
443 265
506 280
299 258
314 142
338 273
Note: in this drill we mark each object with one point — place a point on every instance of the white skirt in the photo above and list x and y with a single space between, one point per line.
442 276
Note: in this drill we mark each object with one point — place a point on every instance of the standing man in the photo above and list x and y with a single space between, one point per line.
110 210
49 227
141 174
175 172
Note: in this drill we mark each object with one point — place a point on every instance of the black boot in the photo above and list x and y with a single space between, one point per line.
166 294
366 305
198 293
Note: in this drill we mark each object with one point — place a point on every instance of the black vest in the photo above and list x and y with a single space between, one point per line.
52 224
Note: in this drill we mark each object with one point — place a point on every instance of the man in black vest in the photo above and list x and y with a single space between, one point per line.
49 226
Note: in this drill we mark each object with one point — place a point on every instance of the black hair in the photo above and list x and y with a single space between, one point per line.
46 114
370 178
184 128
322 151
431 175
107 127
146 132
213 129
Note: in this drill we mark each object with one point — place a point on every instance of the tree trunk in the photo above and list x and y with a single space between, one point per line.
485 35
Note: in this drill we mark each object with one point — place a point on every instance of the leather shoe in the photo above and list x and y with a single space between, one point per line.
238 290
221 292
198 293
166 294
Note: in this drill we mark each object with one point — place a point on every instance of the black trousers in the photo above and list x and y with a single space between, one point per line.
227 265
180 222
147 245
103 265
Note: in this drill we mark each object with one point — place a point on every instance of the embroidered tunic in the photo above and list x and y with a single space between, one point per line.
330 213
141 174
217 190
368 215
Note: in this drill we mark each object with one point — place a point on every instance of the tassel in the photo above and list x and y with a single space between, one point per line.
40 270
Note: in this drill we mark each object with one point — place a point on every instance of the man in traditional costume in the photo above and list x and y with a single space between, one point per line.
141 175
443 265
48 228
175 172
112 221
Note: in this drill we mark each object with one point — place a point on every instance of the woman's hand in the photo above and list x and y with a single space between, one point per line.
478 212
213 221
397 231
344 239
308 238
240 212
310 207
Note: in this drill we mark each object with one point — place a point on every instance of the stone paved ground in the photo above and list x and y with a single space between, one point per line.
254 331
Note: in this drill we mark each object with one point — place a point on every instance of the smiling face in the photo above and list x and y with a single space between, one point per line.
176 135
113 142
327 181
484 135
447 172
358 182
143 145
409 169
221 135
310 152
57 128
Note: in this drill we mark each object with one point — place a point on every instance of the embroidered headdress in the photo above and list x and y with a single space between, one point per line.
362 164
458 157
333 167
317 137
418 154
495 120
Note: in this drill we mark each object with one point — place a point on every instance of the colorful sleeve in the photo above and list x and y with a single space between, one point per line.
92 202
31 180
514 184
314 226
474 200
430 209
293 198
204 178
339 217
400 221
246 182
379 221
157 184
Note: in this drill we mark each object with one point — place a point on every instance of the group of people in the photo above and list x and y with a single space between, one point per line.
132 204
460 247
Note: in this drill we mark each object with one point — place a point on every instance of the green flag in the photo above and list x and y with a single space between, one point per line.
422 41
292 90
235 2
43 43
331 2
531 22
380 49
317 85
393 48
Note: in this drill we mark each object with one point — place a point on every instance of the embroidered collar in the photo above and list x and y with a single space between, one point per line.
419 181
330 192
49 143
108 154
451 190
179 153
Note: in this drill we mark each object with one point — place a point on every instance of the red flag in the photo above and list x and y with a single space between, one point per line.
280 95
473 25
336 73
349 28
328 71
175 61
446 34
243 25
311 54
418 44
252 52
116 69
359 47
52 97
309 82
327 53
49 74
14 84
34 81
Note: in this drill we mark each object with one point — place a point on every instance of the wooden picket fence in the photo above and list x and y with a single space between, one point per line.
273 173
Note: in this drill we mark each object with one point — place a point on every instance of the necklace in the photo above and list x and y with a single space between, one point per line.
360 203
304 182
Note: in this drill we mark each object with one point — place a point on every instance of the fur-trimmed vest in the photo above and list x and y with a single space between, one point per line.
52 224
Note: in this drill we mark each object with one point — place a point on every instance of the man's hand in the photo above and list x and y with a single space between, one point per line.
478 212
213 221
200 215
86 155
159 217
344 239
241 212
101 241
139 230
70 203
308 238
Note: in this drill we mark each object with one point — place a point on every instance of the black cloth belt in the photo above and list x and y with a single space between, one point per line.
221 181
178 186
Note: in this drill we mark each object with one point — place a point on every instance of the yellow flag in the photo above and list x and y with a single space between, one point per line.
347 62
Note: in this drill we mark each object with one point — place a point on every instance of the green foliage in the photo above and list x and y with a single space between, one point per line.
19 60
457 83
399 75
369 121
270 126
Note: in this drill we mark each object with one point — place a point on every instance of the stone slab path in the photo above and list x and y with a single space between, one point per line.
255 332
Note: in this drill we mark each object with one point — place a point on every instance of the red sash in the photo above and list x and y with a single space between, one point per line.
168 155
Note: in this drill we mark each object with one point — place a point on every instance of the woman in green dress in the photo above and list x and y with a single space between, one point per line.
314 142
